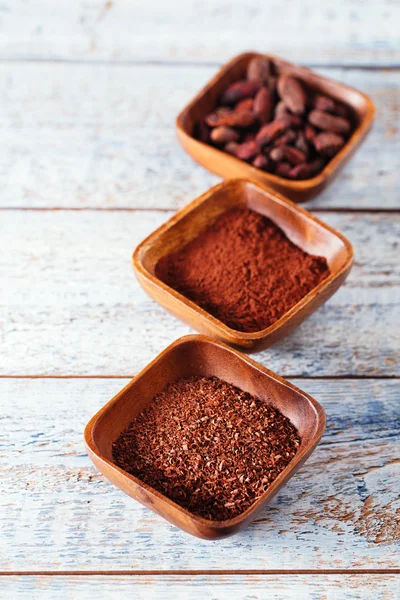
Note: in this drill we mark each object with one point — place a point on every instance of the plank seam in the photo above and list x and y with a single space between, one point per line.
199 572
181 63
318 209
287 376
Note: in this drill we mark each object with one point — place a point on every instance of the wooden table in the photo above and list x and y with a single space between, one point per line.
89 165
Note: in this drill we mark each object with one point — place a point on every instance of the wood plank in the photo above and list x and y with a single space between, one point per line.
103 136
307 31
58 513
206 587
72 306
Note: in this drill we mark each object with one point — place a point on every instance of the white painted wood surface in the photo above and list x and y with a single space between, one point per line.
203 587
103 136
89 95
333 31
58 513
73 307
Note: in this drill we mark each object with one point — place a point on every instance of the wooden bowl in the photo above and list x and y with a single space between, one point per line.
303 229
201 356
228 166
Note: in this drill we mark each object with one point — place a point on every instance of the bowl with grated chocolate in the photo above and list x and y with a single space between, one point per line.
243 264
204 436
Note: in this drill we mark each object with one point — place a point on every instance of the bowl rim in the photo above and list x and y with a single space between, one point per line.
301 456
302 185
227 331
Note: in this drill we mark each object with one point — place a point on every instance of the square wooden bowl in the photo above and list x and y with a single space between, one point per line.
196 355
302 228
228 166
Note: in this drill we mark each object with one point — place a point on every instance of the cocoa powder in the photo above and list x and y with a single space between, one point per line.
243 270
207 445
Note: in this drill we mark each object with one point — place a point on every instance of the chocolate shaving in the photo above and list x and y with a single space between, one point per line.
208 446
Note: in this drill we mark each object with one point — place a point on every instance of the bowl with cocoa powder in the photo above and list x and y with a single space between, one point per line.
204 436
243 264
271 121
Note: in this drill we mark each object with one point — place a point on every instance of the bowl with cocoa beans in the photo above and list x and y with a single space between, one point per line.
268 120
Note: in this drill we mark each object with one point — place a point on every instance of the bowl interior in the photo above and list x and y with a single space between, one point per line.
299 226
207 99
202 357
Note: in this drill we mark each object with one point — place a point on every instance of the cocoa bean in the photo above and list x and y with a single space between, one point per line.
288 153
306 170
277 154
294 155
300 172
259 69
283 169
263 105
222 135
232 118
282 112
309 132
292 93
270 132
327 122
324 103
213 119
246 150
246 105
231 147
328 144
285 139
261 162
239 90
239 119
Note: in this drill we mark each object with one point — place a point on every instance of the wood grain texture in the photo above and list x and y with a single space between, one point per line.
73 307
211 30
206 587
103 136
58 513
